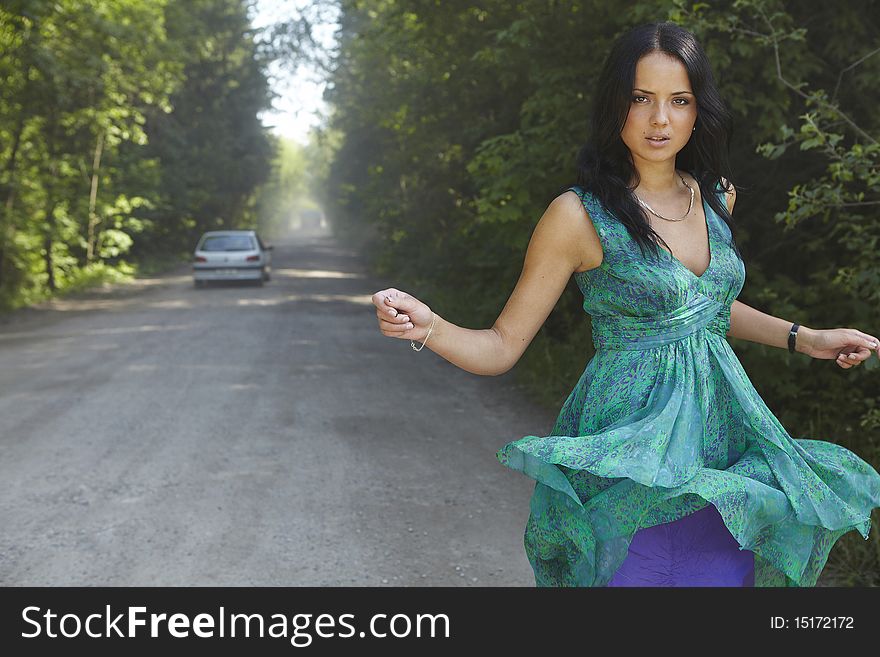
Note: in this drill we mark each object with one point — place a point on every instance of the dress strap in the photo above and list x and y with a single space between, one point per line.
720 193
598 215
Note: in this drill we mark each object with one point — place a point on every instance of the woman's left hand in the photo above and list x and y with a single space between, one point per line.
847 346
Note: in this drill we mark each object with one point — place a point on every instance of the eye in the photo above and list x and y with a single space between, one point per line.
637 97
685 101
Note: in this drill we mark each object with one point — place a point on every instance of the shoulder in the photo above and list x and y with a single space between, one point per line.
730 190
730 194
572 224
570 207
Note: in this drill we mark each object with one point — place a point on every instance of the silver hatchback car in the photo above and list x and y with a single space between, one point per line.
231 255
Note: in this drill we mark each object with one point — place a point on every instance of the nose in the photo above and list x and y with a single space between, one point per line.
659 115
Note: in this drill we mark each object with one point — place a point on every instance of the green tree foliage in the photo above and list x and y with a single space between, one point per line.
460 122
125 127
75 77
213 151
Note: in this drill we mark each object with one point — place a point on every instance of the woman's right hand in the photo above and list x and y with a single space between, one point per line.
401 315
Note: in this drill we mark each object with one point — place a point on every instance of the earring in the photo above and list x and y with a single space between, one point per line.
695 127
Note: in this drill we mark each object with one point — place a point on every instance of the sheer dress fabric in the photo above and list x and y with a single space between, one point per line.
665 467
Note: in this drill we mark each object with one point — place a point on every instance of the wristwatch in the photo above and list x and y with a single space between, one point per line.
792 337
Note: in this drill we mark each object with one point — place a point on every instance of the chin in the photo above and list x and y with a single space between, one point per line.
660 157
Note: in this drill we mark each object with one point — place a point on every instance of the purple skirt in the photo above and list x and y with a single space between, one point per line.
696 550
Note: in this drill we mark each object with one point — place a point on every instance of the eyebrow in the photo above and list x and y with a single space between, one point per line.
677 93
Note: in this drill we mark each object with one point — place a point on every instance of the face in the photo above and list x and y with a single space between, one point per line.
658 107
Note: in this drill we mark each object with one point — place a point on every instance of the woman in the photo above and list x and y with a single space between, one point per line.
664 467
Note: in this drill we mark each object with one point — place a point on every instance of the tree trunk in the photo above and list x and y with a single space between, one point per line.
49 228
49 223
50 266
94 220
6 228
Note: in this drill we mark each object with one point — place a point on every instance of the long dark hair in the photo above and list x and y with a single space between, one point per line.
604 163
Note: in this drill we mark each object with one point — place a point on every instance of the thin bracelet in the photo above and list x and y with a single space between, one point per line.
792 337
413 344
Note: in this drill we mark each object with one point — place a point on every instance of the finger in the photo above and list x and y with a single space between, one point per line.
388 328
402 301
388 293
861 354
866 336
870 341
386 311
391 315
378 298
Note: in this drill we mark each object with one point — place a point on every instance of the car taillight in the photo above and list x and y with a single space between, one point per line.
252 258
201 259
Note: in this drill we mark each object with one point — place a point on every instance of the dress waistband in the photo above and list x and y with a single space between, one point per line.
619 331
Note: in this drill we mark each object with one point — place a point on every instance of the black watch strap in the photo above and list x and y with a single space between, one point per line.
792 337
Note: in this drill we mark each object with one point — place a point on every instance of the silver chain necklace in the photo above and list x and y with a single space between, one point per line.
651 210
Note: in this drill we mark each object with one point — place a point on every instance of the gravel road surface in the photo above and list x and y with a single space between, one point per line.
157 434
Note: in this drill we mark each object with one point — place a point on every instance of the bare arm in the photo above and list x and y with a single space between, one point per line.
848 346
750 324
557 248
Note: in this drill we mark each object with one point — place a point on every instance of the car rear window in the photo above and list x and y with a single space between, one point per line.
228 243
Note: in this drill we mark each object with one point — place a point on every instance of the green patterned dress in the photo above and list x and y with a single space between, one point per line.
665 421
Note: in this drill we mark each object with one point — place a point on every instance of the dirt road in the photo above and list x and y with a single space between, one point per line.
158 434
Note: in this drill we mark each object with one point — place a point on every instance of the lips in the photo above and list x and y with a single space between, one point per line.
658 138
